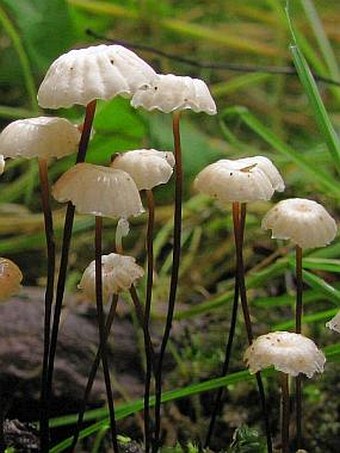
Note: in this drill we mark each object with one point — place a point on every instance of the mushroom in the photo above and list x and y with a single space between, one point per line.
334 323
10 278
307 224
119 272
292 354
239 181
2 164
172 94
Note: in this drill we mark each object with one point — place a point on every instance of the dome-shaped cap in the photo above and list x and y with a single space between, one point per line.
289 352
241 180
305 222
334 323
169 92
2 164
97 72
43 137
148 167
10 278
119 272
97 190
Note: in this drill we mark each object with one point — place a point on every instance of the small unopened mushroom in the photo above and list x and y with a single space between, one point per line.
10 278
242 180
42 137
2 164
148 167
305 222
119 272
334 323
288 352
97 72
101 191
169 92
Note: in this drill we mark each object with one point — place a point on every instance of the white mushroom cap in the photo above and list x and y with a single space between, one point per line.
305 222
43 137
169 92
334 323
241 180
97 190
289 352
2 164
97 72
10 278
119 272
148 167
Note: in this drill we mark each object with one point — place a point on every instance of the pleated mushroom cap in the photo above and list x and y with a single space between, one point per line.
42 137
97 72
334 323
289 352
2 164
10 278
148 167
119 272
169 92
97 190
305 222
241 180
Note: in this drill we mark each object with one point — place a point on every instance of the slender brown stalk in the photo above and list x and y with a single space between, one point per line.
239 212
147 309
50 246
174 275
239 224
68 227
102 332
93 372
298 325
285 412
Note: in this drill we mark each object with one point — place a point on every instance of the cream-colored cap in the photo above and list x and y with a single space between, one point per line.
334 323
42 137
119 272
169 92
10 278
97 190
305 222
148 167
97 72
242 180
2 164
289 352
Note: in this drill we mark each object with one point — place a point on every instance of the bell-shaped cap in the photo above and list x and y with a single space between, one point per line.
334 323
289 352
42 137
305 222
119 272
10 278
97 72
101 191
169 92
242 180
148 167
2 164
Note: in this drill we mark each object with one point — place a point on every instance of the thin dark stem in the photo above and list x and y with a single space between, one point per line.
50 246
141 320
239 224
148 299
285 412
174 275
298 325
93 372
239 212
102 330
2 434
68 227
